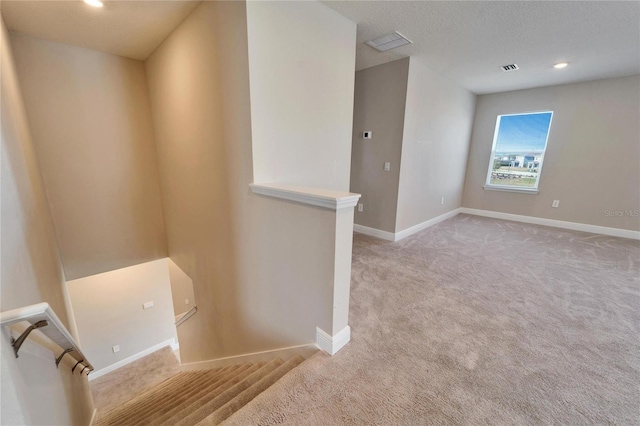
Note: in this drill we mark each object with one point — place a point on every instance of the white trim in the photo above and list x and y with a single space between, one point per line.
170 342
521 190
583 227
373 232
93 416
327 198
304 350
424 225
332 344
390 236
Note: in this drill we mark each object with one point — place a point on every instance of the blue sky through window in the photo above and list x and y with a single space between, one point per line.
523 133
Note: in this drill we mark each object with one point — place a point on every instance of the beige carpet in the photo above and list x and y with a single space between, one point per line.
119 386
200 397
477 321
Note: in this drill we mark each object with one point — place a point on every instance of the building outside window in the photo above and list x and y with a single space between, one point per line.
519 144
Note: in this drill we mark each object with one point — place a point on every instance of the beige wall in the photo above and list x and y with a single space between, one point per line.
437 128
301 61
33 391
91 124
258 281
181 289
380 96
108 309
592 162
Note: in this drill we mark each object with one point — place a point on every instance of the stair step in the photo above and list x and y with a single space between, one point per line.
202 412
171 386
110 416
248 394
203 397
157 407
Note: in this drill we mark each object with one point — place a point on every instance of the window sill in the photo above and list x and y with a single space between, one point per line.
532 191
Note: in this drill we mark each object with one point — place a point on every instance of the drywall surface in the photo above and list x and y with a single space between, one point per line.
302 62
181 289
437 128
31 272
91 124
592 162
262 268
108 309
380 97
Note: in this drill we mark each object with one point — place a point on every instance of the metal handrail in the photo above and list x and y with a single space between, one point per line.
42 317
191 312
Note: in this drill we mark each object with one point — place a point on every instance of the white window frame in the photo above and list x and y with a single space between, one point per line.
512 188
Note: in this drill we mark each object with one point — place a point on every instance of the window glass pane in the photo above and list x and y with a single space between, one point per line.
518 150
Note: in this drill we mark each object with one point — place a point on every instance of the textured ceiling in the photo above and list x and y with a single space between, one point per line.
469 41
126 28
466 41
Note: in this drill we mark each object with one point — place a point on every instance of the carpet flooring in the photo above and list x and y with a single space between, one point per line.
477 321
199 397
119 386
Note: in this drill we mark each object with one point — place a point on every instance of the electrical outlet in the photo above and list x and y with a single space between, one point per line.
186 301
360 207
442 201
116 349
555 204
387 166
147 305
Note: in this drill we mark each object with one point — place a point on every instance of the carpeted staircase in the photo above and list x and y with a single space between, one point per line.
204 397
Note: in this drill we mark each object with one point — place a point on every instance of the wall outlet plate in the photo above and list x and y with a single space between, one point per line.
555 204
147 305
367 134
115 349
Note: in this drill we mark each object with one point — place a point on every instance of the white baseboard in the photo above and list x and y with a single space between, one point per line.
332 344
303 350
98 373
594 229
390 236
424 225
373 232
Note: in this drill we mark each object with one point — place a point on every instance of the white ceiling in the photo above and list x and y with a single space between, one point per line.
465 40
127 28
469 40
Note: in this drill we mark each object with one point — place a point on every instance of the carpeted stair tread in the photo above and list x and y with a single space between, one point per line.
210 406
248 394
157 407
196 399
200 397
147 400
158 390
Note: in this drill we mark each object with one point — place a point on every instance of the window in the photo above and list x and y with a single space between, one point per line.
519 143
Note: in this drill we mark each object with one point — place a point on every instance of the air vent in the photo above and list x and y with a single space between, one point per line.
511 67
388 42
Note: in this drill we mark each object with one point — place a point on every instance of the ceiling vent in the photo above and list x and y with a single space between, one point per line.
388 42
511 67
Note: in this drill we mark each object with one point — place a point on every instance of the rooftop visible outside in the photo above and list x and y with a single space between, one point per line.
519 145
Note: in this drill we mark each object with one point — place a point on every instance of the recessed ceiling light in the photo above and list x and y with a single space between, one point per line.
561 65
94 3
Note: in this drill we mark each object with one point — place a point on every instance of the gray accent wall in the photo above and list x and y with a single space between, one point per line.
380 95
592 163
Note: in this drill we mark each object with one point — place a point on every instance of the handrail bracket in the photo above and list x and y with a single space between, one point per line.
16 343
